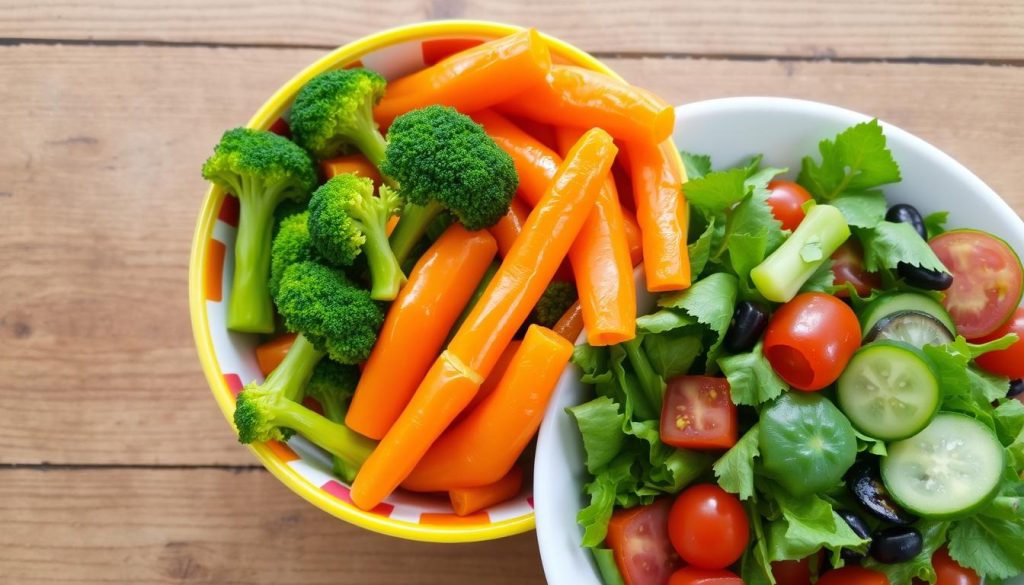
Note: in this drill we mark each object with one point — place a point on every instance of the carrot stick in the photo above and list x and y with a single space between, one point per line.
471 80
491 382
356 164
535 163
571 324
574 96
601 264
482 448
416 326
517 286
465 501
634 237
662 215
544 133
269 354
509 227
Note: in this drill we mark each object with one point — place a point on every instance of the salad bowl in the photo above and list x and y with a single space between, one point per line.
731 131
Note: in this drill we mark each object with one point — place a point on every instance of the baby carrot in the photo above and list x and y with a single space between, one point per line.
661 213
482 448
471 80
509 227
356 164
571 324
517 286
535 163
573 96
601 264
416 326
269 354
634 237
491 381
465 501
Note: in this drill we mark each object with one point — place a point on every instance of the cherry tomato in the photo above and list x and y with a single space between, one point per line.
708 527
695 576
987 280
810 339
853 575
1007 362
786 200
949 572
792 572
639 538
698 413
848 268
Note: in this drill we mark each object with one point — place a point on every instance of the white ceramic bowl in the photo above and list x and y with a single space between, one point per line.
731 130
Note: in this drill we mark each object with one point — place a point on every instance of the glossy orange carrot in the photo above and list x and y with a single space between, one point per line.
535 163
662 215
634 237
471 80
416 326
491 381
350 163
502 309
482 448
574 96
601 264
509 227
571 324
465 501
544 133
269 354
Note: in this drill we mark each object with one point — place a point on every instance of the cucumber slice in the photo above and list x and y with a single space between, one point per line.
889 390
888 304
949 469
911 327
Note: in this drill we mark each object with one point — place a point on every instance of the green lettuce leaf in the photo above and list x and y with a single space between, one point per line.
600 424
735 469
856 160
752 381
695 165
887 244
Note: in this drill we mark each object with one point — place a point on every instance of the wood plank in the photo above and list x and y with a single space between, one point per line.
865 29
100 185
210 526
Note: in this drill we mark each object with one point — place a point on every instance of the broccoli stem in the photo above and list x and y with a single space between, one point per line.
249 308
334 412
412 227
370 142
650 382
293 373
385 272
337 439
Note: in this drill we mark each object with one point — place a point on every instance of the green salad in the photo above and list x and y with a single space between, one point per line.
834 400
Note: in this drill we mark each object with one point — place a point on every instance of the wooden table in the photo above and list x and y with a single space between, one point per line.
115 464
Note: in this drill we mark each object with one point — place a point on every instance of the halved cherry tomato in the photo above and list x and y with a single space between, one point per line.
848 268
1007 362
810 339
792 572
853 575
639 538
987 280
949 572
698 413
269 354
695 576
708 527
787 200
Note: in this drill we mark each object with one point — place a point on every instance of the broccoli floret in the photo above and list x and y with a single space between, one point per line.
262 169
345 218
334 112
556 300
291 245
443 160
332 385
261 414
286 209
323 306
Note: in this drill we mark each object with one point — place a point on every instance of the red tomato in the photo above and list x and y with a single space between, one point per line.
1007 362
639 538
698 413
786 200
708 527
792 572
987 280
949 572
810 339
848 268
853 575
695 576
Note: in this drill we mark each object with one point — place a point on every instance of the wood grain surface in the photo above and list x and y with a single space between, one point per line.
115 464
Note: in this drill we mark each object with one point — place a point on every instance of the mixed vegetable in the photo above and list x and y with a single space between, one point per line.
465 225
831 401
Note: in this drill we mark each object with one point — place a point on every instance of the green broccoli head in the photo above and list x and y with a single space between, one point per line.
333 383
439 155
291 245
556 300
333 314
333 112
255 413
262 164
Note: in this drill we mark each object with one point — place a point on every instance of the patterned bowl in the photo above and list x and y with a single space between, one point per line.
229 360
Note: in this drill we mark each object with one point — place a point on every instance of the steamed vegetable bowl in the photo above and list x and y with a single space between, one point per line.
285 328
